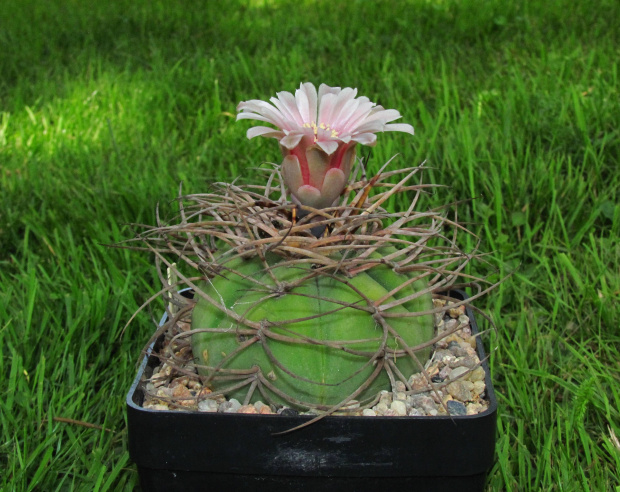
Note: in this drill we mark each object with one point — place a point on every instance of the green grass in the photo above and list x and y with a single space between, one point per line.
105 108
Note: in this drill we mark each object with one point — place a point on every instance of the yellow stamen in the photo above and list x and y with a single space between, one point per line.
322 126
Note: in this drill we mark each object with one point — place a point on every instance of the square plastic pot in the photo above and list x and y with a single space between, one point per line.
189 451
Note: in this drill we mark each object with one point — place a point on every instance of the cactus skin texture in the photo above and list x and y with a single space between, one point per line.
324 375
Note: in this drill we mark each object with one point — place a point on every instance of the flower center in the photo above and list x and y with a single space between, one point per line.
322 126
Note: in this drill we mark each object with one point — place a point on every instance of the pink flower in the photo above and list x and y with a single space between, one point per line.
318 134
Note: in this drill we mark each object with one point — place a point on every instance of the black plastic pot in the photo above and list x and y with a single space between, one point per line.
189 451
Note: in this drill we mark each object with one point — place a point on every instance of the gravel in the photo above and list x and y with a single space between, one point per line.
453 382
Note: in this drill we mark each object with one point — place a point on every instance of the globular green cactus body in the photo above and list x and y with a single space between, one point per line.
309 331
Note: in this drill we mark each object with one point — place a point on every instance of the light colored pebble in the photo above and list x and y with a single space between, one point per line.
182 381
399 386
467 361
400 396
183 396
386 397
399 407
369 412
247 409
479 388
458 372
468 385
180 392
474 408
418 382
457 311
477 374
450 325
207 406
230 406
381 408
157 406
445 372
441 355
459 391
194 385
423 402
164 392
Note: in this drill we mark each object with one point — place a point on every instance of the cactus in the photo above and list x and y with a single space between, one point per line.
308 292
353 353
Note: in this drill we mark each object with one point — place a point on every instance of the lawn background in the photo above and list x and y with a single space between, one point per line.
106 106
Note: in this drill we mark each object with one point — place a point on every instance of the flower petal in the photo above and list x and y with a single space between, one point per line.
399 127
333 184
348 109
284 109
326 107
335 107
312 101
385 115
325 89
318 164
309 195
263 111
347 160
264 131
291 140
291 105
369 127
328 146
358 117
320 128
301 99
365 138
291 173
254 116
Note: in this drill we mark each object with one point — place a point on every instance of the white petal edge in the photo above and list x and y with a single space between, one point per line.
365 139
312 100
399 127
264 131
